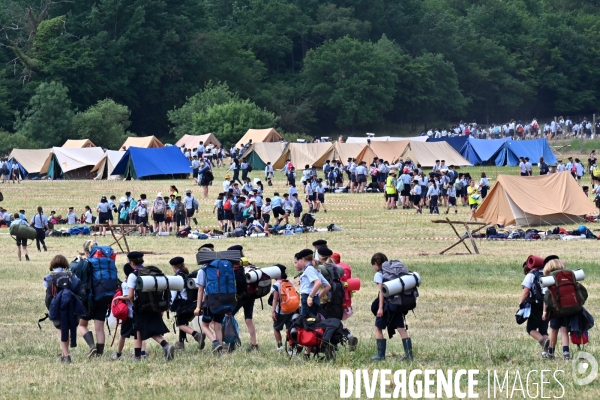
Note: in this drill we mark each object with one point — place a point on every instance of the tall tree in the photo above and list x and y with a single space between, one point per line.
104 123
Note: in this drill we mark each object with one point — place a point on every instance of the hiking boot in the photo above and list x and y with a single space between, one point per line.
230 347
115 356
566 355
545 344
251 348
217 348
180 346
547 356
408 354
381 345
169 352
352 343
27 257
92 352
65 359
201 339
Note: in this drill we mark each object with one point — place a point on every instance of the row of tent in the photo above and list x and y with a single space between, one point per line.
500 152
315 154
149 142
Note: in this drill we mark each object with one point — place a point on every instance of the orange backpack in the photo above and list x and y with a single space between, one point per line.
289 301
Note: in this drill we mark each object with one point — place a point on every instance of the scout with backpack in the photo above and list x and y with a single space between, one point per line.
152 302
566 297
406 300
334 307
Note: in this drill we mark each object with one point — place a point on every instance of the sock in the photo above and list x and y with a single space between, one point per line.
119 354
100 348
550 350
89 339
143 352
194 334
137 352
279 345
565 349
181 336
164 343
215 342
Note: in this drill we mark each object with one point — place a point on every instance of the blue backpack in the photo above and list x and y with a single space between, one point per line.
231 330
104 272
220 286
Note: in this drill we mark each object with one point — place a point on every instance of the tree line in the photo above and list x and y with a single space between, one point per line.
156 67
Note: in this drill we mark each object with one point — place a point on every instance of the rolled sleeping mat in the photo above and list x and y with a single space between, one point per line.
534 262
398 285
546 281
353 285
149 284
205 257
254 275
23 231
326 274
191 284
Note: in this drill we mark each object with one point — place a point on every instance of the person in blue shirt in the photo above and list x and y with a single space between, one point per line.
310 283
276 207
40 223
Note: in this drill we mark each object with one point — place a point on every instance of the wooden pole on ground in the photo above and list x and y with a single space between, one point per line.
114 236
472 240
455 231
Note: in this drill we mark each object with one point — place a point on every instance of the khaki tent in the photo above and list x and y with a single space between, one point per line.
425 153
259 135
356 139
71 163
343 151
145 142
388 151
551 199
259 154
31 161
105 166
78 144
302 154
192 141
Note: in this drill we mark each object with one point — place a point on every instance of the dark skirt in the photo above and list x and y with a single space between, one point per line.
149 325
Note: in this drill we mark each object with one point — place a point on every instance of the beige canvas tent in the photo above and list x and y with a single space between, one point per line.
425 153
192 141
31 161
259 135
259 154
357 139
551 199
388 151
67 163
343 151
105 166
302 154
146 142
78 144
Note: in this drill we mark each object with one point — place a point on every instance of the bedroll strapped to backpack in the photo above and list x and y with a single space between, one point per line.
566 297
104 272
260 288
405 301
155 301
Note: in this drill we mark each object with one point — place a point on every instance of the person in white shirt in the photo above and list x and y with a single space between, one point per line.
361 177
87 217
16 173
528 167
71 217
560 167
522 168
269 173
200 150
580 170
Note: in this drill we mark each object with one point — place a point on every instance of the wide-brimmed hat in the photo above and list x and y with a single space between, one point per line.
159 194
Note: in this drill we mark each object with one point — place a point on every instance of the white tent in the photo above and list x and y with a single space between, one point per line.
105 166
66 163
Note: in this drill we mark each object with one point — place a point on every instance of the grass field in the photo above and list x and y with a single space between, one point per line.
464 318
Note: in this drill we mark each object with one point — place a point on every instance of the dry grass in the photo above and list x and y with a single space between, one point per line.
464 318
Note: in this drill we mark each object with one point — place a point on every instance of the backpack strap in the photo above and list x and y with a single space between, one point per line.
42 320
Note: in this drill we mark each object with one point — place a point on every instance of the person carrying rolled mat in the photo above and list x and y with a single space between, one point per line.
178 301
21 242
245 301
215 335
385 318
532 293
40 223
148 325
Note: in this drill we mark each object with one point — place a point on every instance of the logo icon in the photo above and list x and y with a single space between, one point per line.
585 368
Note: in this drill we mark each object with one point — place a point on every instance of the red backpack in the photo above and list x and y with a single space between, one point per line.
566 297
119 310
227 205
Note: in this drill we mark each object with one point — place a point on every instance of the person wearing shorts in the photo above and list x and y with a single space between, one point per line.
179 213
21 242
276 206
320 192
208 317
280 319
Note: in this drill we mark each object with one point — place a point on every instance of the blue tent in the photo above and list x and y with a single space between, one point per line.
24 173
457 142
138 163
506 151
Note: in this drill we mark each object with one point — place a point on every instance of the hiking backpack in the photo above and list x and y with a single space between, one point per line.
289 300
186 306
334 306
59 281
159 206
535 294
231 330
156 301
104 272
82 268
260 288
220 286
407 300
566 297
308 220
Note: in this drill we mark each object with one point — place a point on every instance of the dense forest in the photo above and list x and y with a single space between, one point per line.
104 68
